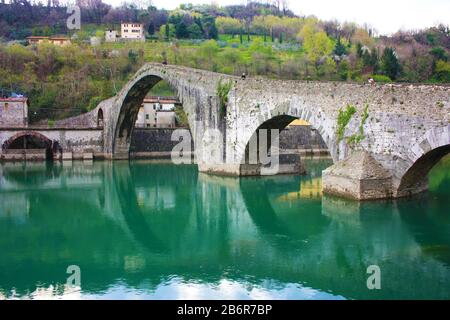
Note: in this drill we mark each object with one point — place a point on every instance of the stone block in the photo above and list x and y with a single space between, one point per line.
67 156
358 177
88 156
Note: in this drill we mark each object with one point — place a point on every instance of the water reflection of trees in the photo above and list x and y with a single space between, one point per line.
208 228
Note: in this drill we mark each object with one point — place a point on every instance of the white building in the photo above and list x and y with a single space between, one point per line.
132 31
111 36
157 112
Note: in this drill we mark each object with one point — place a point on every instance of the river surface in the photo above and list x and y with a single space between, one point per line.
145 230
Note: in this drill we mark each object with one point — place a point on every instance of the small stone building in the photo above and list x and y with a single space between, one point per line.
13 112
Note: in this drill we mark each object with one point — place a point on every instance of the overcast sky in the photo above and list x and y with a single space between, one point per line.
386 16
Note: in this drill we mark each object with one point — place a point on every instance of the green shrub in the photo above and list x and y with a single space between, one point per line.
381 78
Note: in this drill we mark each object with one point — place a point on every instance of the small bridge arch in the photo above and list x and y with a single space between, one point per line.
32 140
280 117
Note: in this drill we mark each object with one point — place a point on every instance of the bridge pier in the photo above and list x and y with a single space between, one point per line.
358 177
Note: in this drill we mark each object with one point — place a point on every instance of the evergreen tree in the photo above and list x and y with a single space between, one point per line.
359 50
340 49
194 31
167 31
181 30
390 66
151 28
213 32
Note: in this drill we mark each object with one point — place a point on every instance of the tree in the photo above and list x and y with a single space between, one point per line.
339 49
390 65
151 29
194 31
442 71
209 27
228 25
181 30
208 51
317 45
167 31
213 32
439 53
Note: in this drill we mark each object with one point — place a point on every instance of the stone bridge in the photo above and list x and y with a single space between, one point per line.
385 149
383 152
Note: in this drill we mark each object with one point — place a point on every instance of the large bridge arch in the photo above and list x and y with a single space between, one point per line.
129 105
195 92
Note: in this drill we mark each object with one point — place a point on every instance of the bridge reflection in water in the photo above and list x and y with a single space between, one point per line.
155 230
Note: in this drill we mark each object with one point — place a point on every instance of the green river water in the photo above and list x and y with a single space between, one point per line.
145 230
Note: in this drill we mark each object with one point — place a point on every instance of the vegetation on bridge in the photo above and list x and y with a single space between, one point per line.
356 138
223 89
344 117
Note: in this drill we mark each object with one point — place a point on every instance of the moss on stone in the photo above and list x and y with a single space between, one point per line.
344 118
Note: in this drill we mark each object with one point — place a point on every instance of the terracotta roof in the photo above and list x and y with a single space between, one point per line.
162 100
14 99
49 38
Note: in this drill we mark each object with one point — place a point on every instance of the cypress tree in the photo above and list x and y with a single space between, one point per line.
167 31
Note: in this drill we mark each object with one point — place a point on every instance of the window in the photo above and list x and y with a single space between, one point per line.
147 116
154 107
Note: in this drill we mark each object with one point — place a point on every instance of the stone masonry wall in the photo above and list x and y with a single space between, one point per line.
153 140
301 138
15 114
